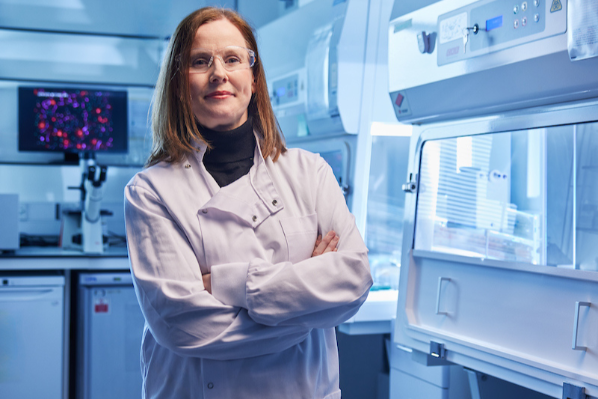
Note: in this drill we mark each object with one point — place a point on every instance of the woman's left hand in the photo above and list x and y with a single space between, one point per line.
325 244
207 282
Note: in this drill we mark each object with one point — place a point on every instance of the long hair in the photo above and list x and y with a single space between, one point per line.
174 127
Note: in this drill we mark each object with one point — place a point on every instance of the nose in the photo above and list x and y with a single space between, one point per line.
217 71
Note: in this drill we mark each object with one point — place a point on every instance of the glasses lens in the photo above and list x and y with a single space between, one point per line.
199 61
235 58
232 58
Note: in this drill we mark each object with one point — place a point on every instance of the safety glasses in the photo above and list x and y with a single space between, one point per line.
233 58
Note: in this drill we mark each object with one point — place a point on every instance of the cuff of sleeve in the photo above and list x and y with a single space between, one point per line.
229 283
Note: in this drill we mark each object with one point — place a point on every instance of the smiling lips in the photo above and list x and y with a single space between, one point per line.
219 95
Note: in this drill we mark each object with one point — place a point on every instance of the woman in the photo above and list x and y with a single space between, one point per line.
239 293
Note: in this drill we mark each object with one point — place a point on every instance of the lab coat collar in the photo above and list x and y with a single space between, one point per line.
252 207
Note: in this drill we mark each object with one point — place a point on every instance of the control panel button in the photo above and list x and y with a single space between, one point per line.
515 9
516 24
524 6
523 21
536 17
536 3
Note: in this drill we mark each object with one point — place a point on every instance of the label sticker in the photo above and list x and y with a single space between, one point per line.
452 28
401 103
556 6
403 25
101 305
399 100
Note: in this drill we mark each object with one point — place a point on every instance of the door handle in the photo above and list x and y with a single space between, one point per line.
438 294
23 294
578 304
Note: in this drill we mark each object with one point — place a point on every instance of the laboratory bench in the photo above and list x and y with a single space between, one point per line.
56 258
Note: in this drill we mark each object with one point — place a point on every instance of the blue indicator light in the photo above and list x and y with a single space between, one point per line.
494 23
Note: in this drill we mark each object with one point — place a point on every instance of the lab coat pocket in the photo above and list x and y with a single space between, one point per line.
300 234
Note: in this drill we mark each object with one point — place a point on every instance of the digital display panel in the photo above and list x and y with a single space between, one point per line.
72 120
494 23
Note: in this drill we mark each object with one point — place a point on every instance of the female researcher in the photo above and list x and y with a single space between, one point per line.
237 301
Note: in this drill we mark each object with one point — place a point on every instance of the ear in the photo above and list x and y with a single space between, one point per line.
254 85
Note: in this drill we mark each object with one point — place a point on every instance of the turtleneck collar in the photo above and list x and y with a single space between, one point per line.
229 146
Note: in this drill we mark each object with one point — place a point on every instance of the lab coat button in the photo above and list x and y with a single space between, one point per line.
274 202
210 385
204 211
254 218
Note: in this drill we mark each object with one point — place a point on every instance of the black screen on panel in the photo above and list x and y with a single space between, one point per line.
72 120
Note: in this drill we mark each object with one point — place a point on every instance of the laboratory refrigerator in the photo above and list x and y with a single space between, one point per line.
110 326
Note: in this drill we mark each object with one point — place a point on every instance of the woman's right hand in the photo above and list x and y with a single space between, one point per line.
325 244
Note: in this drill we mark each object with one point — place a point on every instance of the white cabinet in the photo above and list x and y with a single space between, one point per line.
31 331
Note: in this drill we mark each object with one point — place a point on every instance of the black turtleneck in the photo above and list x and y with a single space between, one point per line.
231 155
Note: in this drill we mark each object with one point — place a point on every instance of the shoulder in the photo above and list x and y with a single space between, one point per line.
301 159
152 178
301 169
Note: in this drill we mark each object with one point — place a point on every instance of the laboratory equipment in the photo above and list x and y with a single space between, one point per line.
83 229
499 247
72 120
110 327
9 215
312 83
31 327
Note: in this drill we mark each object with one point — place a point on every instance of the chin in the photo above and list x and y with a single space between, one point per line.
221 121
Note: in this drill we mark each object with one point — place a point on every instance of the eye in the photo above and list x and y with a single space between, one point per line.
200 61
232 59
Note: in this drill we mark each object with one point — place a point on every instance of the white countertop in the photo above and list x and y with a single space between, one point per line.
55 258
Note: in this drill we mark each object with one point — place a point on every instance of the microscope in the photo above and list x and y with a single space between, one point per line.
82 229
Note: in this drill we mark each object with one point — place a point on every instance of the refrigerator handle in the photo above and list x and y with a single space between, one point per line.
24 294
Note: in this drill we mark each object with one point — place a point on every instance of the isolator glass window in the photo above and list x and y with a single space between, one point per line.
525 196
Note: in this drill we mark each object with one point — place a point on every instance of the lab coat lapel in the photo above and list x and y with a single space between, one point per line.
252 198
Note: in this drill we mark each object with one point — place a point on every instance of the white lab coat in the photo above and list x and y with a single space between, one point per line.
267 329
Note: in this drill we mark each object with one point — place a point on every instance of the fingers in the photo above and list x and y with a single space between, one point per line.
332 245
318 241
325 244
207 282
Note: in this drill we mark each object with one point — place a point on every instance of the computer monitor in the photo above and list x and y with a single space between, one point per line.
74 120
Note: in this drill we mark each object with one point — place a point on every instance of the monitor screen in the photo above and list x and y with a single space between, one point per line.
72 120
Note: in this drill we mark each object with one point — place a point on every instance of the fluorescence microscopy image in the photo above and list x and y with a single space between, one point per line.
73 120
77 120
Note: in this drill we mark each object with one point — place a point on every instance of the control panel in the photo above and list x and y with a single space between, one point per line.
488 26
285 90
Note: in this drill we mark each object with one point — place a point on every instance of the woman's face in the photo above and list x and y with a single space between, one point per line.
219 98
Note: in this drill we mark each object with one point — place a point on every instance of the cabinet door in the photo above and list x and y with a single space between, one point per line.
113 341
31 342
502 266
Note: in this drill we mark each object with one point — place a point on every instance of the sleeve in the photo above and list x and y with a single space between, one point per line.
317 292
180 313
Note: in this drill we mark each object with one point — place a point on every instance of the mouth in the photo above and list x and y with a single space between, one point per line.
219 94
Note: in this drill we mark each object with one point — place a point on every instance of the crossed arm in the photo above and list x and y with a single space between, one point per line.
323 245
